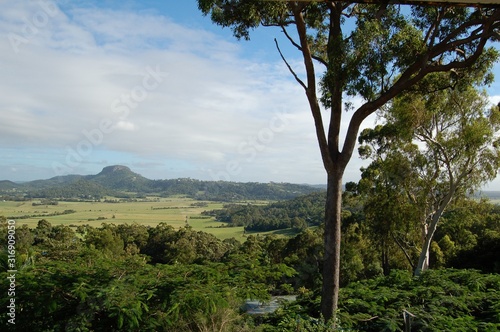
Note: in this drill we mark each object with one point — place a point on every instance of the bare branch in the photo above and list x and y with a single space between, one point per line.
289 67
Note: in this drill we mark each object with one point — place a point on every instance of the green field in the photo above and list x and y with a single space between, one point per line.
173 211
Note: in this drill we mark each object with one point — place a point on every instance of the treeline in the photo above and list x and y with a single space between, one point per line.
297 213
42 215
138 278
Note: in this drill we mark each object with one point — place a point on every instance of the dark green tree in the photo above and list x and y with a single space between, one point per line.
384 185
372 51
105 239
469 236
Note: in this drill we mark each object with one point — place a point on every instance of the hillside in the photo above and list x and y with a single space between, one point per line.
121 181
7 185
78 189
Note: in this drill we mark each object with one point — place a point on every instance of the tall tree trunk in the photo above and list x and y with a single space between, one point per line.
332 237
423 261
385 257
428 233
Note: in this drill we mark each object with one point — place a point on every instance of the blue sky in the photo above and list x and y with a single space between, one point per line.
155 86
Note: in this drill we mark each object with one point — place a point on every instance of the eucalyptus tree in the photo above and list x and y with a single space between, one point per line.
453 147
373 51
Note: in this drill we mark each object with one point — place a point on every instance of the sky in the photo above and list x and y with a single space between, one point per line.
155 86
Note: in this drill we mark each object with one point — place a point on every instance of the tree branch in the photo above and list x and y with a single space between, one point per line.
400 245
294 43
335 83
289 67
433 29
311 85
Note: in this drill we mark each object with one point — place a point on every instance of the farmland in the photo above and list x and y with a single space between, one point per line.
176 211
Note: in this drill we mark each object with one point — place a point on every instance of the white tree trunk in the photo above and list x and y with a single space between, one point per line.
429 230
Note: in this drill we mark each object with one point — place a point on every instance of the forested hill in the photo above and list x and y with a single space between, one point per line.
297 213
120 181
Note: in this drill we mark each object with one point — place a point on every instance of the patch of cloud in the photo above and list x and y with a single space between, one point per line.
85 80
125 125
494 100
88 66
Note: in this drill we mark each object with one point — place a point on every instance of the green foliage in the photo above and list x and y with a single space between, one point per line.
473 229
441 300
93 281
359 260
468 236
105 239
97 283
304 253
297 213
168 246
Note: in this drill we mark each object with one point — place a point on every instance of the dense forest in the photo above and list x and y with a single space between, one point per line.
138 278
298 213
468 237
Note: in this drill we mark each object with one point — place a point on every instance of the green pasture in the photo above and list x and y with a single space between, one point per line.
174 211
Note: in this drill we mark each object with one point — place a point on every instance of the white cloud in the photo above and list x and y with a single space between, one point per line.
82 79
125 125
84 64
495 100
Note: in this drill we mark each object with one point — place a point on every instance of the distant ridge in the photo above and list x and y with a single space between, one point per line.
121 181
491 194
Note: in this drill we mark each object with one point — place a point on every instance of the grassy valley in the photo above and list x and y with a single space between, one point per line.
148 212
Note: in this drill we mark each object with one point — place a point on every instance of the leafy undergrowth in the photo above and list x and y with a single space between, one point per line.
438 300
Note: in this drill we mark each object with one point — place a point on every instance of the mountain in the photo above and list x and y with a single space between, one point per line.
121 178
121 181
